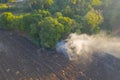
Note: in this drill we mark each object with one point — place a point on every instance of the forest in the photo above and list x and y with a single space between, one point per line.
48 21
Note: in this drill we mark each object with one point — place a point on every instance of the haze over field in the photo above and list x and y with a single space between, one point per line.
87 45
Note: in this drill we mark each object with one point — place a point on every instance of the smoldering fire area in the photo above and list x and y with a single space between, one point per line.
99 54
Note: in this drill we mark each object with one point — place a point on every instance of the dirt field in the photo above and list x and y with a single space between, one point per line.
22 60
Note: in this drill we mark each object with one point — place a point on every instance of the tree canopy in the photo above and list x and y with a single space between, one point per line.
48 21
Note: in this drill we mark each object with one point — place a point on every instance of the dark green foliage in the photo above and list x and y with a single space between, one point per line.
34 31
93 18
17 22
33 19
10 21
41 4
42 13
52 20
51 31
28 19
67 22
6 20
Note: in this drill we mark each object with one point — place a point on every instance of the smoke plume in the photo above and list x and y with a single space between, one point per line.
84 46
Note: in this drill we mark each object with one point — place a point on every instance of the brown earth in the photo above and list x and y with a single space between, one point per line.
22 60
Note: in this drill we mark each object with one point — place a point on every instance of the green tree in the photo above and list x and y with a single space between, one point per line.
50 32
68 25
93 18
68 11
96 2
33 18
41 4
42 13
6 20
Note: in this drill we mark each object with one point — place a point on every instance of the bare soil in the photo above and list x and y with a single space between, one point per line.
22 60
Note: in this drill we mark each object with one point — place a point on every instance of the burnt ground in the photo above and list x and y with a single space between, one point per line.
22 60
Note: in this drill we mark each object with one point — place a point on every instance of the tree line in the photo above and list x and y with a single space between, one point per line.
49 21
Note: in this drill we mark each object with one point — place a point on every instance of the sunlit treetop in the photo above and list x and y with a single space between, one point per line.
96 2
74 1
94 17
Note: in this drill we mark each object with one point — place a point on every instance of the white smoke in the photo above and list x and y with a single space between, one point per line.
83 46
